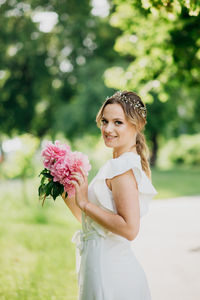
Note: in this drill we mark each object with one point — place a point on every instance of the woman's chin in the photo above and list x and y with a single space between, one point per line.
109 144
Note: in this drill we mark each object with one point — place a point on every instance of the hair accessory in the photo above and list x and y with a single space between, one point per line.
136 104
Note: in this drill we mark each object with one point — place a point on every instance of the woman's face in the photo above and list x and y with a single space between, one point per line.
117 131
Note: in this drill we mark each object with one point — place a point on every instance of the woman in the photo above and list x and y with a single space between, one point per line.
111 206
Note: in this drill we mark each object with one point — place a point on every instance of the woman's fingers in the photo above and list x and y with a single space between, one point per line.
78 179
83 173
74 182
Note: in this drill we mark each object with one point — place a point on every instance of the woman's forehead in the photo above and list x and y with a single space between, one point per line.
113 111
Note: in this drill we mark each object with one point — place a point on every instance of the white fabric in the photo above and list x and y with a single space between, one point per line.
116 166
105 262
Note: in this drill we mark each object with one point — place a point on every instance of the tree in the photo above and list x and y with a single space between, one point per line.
43 71
173 6
159 42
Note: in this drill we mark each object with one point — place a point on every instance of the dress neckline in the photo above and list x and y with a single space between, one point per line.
113 159
126 153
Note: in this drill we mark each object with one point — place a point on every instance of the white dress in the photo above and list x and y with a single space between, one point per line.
105 262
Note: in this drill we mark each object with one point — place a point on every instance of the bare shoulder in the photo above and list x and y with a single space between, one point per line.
122 180
126 196
124 190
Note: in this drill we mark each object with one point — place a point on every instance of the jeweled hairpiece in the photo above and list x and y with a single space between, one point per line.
136 104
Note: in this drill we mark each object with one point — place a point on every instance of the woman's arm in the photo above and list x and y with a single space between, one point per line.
73 207
127 220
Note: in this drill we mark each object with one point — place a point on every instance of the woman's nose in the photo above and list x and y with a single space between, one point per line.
108 128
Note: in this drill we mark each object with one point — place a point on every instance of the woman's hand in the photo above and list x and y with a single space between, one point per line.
81 186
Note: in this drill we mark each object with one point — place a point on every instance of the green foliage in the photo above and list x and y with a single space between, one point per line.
33 79
183 150
159 42
173 6
53 81
156 42
77 118
42 74
48 187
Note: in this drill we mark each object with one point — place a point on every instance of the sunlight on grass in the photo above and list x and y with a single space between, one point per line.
176 182
37 257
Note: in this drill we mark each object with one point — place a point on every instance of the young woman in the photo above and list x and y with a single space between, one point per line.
111 206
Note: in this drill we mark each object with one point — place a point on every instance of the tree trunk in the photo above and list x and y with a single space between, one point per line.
154 150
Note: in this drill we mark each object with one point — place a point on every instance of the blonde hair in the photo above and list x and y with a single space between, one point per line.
135 112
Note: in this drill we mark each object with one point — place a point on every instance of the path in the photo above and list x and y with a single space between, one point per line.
168 248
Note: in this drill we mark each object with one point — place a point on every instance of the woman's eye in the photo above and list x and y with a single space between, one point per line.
119 122
105 122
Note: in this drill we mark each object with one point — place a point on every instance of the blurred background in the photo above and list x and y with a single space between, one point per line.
59 60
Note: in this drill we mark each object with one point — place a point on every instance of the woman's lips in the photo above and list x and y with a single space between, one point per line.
110 137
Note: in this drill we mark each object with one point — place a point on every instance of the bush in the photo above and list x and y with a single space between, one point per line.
184 150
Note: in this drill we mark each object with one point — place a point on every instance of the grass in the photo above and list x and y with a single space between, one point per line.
176 182
37 257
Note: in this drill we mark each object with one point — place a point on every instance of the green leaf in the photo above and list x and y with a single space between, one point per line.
61 189
49 187
45 172
48 175
55 191
41 190
43 180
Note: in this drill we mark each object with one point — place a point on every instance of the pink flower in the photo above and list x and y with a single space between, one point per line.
61 162
73 163
60 170
80 160
52 153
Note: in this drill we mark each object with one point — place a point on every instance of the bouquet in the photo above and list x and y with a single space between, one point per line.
59 161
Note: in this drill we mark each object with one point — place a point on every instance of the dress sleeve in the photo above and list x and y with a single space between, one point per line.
118 166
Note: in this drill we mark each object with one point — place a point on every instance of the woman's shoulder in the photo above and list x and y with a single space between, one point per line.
121 164
116 166
125 159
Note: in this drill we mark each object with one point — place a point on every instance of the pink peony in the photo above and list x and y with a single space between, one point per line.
52 153
75 161
80 160
60 170
61 162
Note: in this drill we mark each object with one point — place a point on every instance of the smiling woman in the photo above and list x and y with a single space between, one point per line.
123 116
112 205
117 132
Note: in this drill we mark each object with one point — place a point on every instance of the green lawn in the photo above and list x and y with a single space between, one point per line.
176 182
37 257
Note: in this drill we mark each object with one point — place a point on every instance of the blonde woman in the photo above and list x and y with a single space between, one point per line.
111 206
